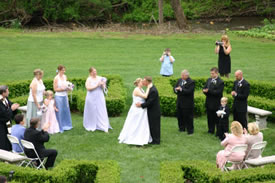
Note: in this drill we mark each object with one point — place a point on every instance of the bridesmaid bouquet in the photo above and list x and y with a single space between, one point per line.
42 110
105 89
70 86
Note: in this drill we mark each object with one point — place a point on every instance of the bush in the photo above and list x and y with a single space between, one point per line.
203 171
261 95
68 171
115 100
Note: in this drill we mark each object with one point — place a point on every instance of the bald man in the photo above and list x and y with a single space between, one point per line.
240 94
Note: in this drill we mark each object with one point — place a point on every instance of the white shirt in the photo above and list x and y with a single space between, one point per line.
61 84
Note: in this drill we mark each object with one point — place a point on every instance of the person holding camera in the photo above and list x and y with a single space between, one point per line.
167 61
223 48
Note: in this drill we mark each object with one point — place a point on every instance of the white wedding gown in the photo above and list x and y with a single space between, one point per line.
136 129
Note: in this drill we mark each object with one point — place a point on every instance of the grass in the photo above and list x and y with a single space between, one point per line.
131 56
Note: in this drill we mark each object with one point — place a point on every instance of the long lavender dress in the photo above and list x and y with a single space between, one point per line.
95 111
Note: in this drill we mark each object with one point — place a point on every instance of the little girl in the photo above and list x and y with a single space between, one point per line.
49 116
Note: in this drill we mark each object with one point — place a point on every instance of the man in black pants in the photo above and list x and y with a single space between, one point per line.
38 138
213 90
185 102
240 92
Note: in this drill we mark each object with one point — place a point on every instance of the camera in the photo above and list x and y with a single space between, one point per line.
220 43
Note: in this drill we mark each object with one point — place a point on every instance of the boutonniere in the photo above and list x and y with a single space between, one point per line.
240 85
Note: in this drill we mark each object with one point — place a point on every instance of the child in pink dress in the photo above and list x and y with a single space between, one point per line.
49 116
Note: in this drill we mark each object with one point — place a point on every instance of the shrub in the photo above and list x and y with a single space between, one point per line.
68 171
203 171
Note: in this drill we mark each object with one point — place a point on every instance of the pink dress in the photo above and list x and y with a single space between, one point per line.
50 117
223 155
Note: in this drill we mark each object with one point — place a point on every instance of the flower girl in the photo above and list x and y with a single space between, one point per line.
49 114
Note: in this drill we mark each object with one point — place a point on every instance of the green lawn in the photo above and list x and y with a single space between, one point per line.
132 56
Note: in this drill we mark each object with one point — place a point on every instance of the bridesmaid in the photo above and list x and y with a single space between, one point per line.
61 89
95 112
35 99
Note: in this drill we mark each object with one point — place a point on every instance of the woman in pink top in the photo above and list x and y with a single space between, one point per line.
236 138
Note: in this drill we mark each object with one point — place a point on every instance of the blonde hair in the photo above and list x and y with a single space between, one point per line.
224 99
137 81
226 39
48 93
37 72
253 128
236 128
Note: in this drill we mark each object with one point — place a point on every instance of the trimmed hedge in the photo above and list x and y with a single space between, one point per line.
262 95
115 100
204 171
68 171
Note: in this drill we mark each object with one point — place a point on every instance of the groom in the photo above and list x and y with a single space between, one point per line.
153 109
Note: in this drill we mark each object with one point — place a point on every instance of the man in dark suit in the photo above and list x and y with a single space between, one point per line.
153 110
6 113
213 90
240 93
38 138
184 89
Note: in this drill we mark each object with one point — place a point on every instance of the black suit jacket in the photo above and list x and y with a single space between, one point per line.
240 101
38 138
185 97
225 119
214 94
6 115
152 102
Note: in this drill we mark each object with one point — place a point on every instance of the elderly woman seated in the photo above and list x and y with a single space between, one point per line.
253 137
236 138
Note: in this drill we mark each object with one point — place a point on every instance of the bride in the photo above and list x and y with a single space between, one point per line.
136 129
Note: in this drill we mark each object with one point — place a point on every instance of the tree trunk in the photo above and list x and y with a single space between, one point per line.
179 14
160 11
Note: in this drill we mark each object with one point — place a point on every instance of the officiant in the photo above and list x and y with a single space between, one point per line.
213 90
6 113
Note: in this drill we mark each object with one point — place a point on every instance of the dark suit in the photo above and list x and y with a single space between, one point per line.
212 103
240 101
153 109
6 115
185 104
223 122
38 138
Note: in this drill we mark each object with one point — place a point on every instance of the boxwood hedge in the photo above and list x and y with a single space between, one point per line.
261 95
204 171
115 99
68 171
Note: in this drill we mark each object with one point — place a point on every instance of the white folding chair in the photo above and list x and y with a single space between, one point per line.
14 140
256 150
236 149
29 145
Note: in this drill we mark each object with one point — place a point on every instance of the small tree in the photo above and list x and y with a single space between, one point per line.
160 4
179 14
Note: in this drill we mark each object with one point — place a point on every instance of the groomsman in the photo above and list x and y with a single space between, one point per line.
213 90
185 102
240 94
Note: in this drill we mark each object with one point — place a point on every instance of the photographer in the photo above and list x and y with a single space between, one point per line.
167 63
223 48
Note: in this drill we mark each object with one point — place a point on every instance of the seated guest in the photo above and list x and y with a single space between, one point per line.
18 131
3 179
38 138
253 137
236 138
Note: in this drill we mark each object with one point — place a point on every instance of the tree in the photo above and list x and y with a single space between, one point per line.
160 11
179 14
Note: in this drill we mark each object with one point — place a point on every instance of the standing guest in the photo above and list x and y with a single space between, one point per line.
61 89
35 99
213 90
253 137
185 102
167 61
6 113
236 138
95 111
240 94
224 49
3 179
49 116
38 138
223 118
18 131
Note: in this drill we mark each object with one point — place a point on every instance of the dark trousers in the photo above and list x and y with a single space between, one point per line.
223 128
186 119
212 120
51 154
154 125
240 117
